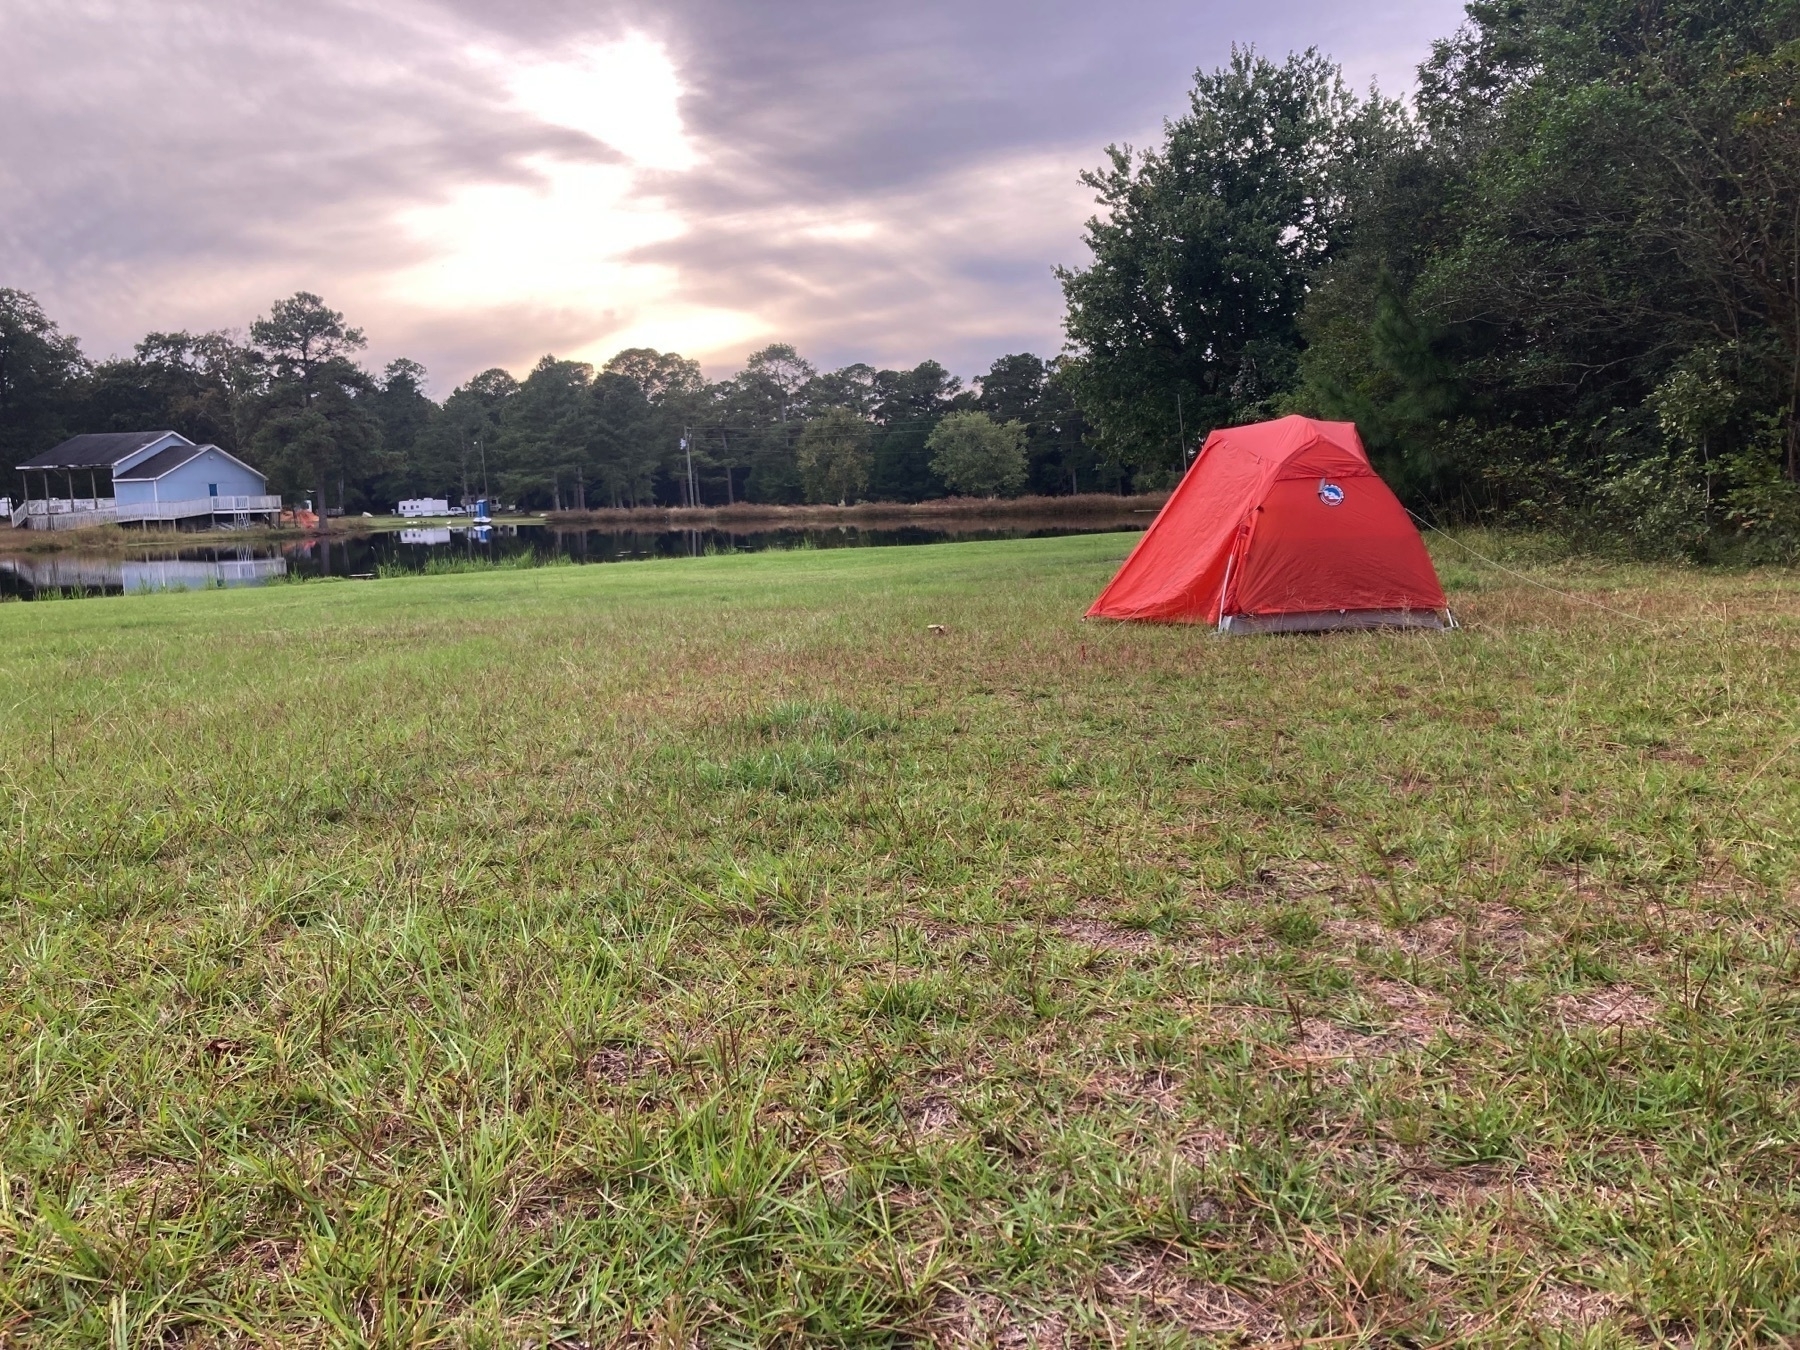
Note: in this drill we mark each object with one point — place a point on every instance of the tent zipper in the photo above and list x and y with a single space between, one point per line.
1238 548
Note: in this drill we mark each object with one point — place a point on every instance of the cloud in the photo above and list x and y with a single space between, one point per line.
956 266
567 240
479 182
625 94
184 164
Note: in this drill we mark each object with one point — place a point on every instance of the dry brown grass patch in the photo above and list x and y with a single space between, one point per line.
1107 936
1570 1306
167 1187
1721 878
1321 1041
1417 1019
1473 1187
939 932
269 1259
932 1117
1200 1147
1617 1005
622 1065
1418 1016
1491 929
1113 1084
1156 1288
964 1318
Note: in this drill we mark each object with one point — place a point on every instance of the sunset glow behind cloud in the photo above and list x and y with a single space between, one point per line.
478 184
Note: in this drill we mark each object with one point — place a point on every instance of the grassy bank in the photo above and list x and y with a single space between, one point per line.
710 951
119 541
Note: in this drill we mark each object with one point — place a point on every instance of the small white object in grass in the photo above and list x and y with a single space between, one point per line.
937 628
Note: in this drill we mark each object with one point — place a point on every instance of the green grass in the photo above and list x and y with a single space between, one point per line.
707 952
451 565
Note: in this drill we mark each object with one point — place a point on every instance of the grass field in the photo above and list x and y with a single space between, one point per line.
708 952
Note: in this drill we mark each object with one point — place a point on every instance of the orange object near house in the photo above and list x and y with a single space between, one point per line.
1280 526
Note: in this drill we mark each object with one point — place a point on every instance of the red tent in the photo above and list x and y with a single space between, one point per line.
1281 526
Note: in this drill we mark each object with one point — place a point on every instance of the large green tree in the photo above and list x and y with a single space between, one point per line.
545 438
1031 391
977 456
853 387
646 443
630 436
405 412
1187 316
833 456
463 433
908 406
1578 286
184 382
41 369
309 419
762 410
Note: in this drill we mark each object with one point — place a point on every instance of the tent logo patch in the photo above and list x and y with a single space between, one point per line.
1330 493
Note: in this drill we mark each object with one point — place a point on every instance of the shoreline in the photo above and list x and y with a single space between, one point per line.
1098 508
116 539
1088 506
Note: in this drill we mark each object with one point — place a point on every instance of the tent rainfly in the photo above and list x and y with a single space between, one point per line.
1280 527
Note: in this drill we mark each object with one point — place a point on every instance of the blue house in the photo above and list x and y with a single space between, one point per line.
150 476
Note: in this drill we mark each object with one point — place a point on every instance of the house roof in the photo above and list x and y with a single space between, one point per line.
162 462
165 462
99 450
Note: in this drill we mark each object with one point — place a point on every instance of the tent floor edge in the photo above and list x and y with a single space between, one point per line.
1329 621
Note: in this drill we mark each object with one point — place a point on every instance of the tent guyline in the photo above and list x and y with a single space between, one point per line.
1280 526
1530 581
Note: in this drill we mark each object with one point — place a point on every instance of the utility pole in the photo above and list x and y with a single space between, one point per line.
687 446
484 486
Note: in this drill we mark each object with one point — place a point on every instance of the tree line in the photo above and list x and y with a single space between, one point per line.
644 429
1561 286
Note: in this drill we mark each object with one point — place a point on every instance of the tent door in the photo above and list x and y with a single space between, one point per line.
1234 567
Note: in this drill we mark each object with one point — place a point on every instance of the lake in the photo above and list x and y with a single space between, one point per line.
217 564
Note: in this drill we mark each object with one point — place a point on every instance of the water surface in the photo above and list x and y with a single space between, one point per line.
211 562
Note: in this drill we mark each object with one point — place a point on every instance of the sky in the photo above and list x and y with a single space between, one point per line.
480 182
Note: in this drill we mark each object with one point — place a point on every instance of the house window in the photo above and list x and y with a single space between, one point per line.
212 489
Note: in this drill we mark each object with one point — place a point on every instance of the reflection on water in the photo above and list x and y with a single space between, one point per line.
453 548
74 574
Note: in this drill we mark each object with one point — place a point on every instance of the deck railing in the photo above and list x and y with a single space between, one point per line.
198 506
64 513
70 513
